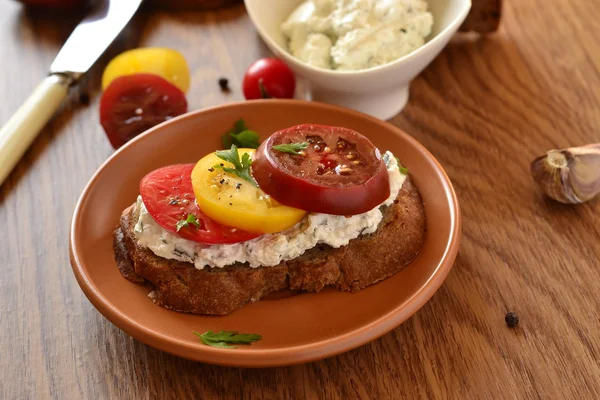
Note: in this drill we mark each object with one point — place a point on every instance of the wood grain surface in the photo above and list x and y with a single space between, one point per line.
485 108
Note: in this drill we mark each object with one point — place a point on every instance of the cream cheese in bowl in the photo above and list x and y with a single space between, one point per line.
356 34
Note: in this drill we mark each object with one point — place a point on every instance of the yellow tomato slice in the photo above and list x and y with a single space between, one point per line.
167 63
234 201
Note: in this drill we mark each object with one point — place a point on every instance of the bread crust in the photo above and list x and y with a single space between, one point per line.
364 261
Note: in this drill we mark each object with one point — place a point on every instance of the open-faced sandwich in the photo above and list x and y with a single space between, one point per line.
313 206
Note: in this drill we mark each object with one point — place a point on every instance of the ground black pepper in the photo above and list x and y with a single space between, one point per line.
511 319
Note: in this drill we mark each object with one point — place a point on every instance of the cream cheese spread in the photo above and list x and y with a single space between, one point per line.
356 34
269 249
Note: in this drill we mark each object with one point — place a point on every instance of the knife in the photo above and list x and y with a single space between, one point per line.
86 44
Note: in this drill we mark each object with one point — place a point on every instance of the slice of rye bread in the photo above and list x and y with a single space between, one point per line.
366 260
484 16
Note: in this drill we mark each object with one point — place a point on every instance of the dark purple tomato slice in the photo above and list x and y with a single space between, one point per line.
132 104
340 172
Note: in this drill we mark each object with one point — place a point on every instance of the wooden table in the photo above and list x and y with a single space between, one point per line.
485 108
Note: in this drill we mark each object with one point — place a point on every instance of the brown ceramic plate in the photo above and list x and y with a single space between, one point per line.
297 328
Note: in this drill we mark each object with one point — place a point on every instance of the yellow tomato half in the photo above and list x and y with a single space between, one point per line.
167 63
234 201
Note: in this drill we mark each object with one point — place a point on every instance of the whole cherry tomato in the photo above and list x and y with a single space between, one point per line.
269 77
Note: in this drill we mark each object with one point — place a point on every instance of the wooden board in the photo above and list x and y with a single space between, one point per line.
485 108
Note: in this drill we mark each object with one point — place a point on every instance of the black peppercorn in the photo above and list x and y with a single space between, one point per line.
84 99
224 84
511 319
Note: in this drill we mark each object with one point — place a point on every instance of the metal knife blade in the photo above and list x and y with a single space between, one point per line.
93 35
86 44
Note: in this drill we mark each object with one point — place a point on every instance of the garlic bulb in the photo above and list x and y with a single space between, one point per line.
570 175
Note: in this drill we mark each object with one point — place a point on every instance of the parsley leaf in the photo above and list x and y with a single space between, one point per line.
245 139
239 126
223 339
241 136
241 167
403 170
191 219
292 148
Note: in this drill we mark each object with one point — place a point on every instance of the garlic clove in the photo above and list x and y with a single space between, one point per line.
570 175
585 176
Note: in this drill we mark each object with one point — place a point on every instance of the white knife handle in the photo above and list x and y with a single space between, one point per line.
21 129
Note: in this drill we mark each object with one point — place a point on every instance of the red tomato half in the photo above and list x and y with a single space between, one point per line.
169 198
340 172
132 104
269 77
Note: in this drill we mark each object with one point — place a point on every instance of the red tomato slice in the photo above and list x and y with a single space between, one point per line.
169 198
340 172
132 104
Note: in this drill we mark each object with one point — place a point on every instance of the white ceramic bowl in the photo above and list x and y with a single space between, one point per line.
381 91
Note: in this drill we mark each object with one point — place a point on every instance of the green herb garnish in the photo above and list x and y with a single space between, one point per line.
191 219
292 148
241 136
242 167
403 170
223 339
